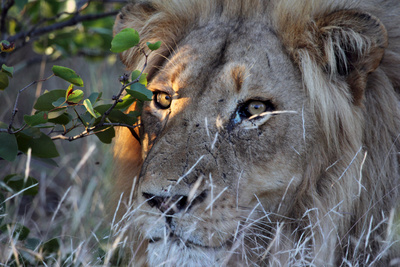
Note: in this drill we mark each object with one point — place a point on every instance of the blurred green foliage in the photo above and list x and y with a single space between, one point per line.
59 29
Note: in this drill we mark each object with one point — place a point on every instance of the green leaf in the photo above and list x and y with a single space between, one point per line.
67 74
18 230
127 101
90 109
44 102
32 132
59 103
106 135
42 147
7 70
8 147
143 78
3 80
124 40
140 92
17 183
69 90
62 119
75 97
94 97
86 118
134 114
51 246
56 113
39 118
154 46
115 116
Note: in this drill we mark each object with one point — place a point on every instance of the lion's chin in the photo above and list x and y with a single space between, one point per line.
175 252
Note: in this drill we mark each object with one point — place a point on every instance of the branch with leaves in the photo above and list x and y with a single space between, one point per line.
68 115
59 114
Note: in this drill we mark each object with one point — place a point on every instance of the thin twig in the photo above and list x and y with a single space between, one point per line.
119 125
56 26
15 110
92 131
118 97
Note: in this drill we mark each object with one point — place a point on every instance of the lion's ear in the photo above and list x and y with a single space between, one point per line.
136 16
154 22
353 45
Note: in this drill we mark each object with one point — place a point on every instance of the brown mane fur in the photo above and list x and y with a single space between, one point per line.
356 161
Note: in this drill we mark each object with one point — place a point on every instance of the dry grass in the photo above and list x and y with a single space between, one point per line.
264 234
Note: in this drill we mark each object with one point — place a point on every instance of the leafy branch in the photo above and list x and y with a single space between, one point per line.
63 112
59 113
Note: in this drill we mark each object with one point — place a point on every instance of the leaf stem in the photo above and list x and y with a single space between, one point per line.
80 119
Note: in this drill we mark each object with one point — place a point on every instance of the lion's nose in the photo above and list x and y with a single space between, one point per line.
173 204
168 205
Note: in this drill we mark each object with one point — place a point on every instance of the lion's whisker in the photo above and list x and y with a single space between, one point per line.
190 170
218 196
270 113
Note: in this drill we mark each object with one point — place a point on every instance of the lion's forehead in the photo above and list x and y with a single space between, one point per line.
244 51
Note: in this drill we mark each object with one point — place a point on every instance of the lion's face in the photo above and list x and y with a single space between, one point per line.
272 136
223 143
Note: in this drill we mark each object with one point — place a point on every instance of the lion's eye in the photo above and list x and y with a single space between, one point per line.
251 109
162 100
254 108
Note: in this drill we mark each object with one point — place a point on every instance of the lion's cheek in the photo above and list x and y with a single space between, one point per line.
272 183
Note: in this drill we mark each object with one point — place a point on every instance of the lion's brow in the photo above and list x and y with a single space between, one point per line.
177 70
238 73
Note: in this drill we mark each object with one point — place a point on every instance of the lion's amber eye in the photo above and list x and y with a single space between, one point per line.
162 100
251 109
256 108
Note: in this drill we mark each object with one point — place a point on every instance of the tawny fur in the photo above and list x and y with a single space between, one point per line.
347 56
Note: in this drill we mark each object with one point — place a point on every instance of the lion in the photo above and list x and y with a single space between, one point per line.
271 138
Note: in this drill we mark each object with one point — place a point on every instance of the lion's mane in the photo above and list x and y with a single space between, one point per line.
355 162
